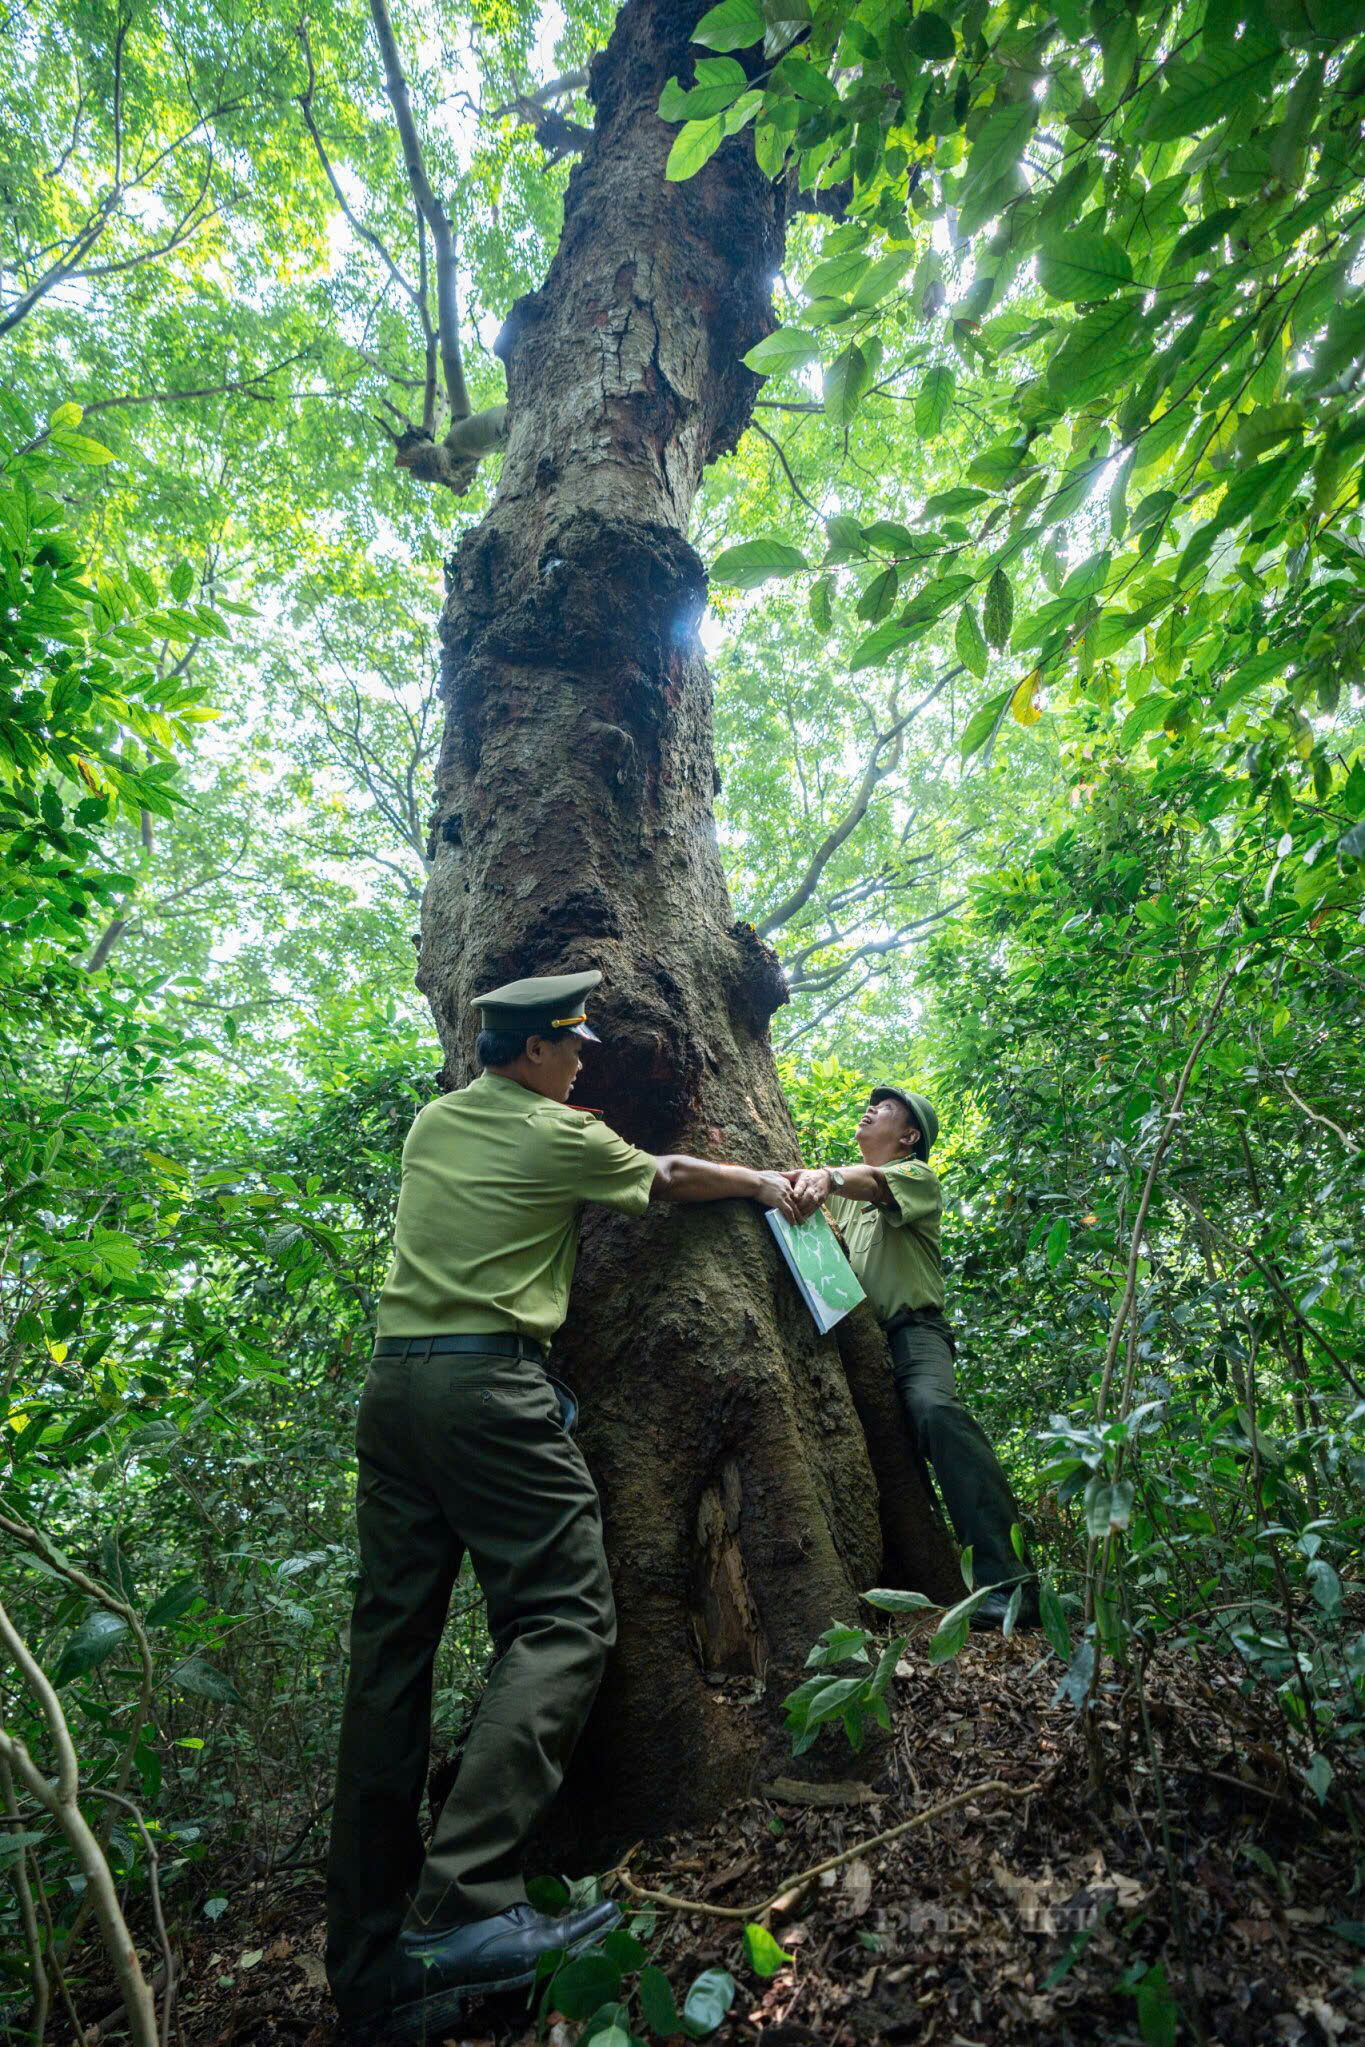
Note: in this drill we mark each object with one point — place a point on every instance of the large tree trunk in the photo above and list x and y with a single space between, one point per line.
574 828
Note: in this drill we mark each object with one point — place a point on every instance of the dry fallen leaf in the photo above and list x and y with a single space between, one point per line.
312 1971
858 1888
1029 1896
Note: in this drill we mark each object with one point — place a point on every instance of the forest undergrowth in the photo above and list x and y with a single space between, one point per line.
1195 1886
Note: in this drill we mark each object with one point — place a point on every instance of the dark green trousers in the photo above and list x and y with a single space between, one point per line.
975 1490
458 1453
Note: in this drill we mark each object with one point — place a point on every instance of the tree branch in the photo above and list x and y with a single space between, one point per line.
42 1992
558 88
879 766
781 454
919 929
447 305
366 234
61 1802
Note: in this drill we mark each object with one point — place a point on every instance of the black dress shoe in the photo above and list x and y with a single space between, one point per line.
437 1974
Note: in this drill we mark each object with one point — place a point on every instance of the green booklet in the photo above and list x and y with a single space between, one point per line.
827 1282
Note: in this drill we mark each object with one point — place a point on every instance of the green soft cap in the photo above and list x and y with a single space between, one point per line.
920 1109
540 1004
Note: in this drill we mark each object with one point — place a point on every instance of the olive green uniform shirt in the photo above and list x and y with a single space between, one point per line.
895 1251
486 1236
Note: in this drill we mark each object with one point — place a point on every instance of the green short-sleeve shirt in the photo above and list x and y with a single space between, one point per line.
895 1251
486 1236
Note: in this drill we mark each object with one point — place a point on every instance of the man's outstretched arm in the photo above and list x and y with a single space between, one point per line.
813 1186
680 1178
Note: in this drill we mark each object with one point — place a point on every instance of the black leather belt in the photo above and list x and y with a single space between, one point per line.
496 1343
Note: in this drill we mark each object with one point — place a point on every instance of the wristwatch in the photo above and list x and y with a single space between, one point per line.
836 1178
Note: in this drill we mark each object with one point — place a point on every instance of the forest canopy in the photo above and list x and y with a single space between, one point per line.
1033 554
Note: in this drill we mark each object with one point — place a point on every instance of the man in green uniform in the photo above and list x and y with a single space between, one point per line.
890 1211
463 1446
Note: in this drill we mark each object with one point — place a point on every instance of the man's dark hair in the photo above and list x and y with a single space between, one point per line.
500 1048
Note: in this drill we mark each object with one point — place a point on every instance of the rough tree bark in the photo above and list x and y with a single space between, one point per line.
574 827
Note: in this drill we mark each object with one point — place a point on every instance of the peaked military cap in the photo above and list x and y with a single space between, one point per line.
921 1110
540 1004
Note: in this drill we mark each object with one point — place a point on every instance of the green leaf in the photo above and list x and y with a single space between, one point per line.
12 1845
930 36
121 1253
893 538
197 1676
837 275
1220 81
1057 1239
1319 1776
765 1956
846 380
656 2002
1120 45
998 465
742 112
1325 1586
1053 1617
998 613
98 1635
972 650
1147 715
1083 264
673 102
950 1636
1200 238
707 2002
946 504
874 647
695 144
821 608
999 143
983 723
175 1601
1266 427
773 133
890 1600
182 581
81 448
788 349
879 594
935 400
1108 1507
1158 2012
845 539
752 562
885 274
580 1985
1076 1683
624 1949
733 25
1098 352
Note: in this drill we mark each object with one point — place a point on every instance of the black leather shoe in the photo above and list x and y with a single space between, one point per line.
437 1974
993 1608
